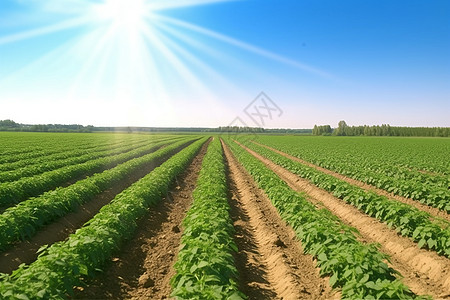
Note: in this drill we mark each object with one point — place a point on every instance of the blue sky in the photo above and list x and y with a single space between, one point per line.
201 62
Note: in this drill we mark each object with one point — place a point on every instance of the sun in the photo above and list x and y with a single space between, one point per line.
125 14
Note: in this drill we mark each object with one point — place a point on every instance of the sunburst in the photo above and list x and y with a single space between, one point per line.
131 52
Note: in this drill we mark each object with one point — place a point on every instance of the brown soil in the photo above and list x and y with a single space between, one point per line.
270 260
25 251
435 212
425 272
144 266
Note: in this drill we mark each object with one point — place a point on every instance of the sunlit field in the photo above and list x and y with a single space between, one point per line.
224 149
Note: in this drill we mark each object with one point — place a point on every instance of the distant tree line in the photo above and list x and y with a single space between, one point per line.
236 129
244 129
131 129
10 125
322 130
384 130
342 130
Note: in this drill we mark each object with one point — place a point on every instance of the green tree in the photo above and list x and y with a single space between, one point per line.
342 128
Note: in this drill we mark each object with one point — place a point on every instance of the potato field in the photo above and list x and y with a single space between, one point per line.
184 216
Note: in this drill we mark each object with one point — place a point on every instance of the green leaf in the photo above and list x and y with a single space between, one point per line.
431 243
202 264
333 279
322 257
42 249
365 278
235 296
421 243
373 286
41 293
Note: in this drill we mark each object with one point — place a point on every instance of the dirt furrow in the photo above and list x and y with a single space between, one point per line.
144 266
270 261
25 251
425 272
435 212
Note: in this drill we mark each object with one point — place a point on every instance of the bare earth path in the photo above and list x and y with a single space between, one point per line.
425 272
143 268
270 261
431 210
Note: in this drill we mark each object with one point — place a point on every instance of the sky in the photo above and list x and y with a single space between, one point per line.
208 63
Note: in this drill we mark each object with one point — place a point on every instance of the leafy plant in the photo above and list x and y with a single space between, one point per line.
66 264
205 264
359 269
23 220
17 191
407 220
376 162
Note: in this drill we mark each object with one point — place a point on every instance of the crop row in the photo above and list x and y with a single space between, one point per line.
34 145
17 191
75 157
407 154
428 189
13 150
70 153
432 191
67 264
22 220
402 158
359 269
205 264
408 221
42 157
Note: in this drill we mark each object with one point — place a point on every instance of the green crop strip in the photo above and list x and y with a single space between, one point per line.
17 191
75 149
68 150
66 264
62 154
408 220
73 158
23 220
384 172
46 146
205 264
16 147
359 269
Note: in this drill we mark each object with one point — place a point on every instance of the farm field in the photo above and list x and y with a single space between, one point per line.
198 216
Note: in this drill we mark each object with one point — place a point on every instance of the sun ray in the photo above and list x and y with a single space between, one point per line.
158 5
214 78
212 74
100 50
72 23
242 45
222 60
56 56
183 71
128 54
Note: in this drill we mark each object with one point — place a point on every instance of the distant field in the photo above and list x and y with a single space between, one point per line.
195 216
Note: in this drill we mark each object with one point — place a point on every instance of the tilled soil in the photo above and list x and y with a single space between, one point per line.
435 212
144 266
425 272
270 260
25 251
